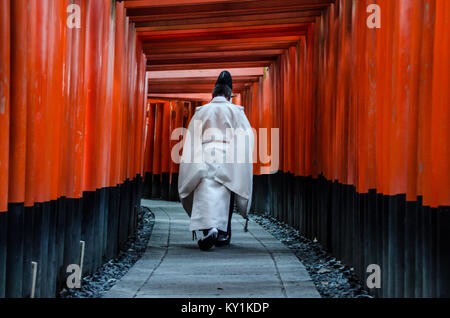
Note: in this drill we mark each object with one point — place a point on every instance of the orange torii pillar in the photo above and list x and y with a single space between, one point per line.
70 153
176 122
156 164
165 151
5 75
149 150
364 147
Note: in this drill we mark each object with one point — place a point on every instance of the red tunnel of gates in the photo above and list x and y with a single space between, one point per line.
356 120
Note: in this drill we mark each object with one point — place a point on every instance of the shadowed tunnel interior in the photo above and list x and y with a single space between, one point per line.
355 116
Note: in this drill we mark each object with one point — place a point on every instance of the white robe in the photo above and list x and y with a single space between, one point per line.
204 186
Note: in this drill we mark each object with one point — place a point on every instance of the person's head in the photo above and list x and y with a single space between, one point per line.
224 85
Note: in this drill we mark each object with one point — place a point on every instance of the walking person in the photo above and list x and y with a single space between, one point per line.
216 170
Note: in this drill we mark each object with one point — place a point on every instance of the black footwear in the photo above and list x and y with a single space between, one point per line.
209 240
223 239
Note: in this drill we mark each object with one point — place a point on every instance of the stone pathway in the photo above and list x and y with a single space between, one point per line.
254 265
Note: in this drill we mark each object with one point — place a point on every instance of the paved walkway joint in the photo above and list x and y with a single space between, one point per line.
255 264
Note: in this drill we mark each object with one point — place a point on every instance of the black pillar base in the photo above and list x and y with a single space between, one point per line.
156 186
407 240
14 259
148 180
173 192
3 248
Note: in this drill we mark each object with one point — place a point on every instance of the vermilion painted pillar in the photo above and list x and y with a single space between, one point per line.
148 156
18 112
5 77
5 73
440 145
117 101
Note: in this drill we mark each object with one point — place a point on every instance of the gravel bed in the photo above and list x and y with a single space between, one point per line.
332 279
95 285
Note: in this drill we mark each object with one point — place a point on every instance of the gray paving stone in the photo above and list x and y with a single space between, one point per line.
254 265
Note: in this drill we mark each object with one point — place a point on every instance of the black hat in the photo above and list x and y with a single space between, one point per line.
225 79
